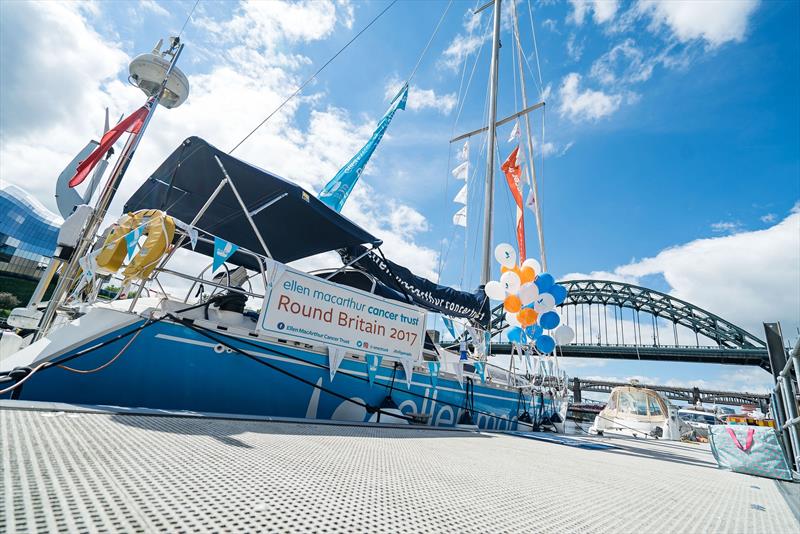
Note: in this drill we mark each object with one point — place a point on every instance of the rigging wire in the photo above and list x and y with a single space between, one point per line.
188 17
424 50
310 79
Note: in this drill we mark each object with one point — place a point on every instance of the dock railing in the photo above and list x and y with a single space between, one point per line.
785 402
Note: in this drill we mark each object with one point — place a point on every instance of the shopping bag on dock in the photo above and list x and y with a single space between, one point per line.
749 449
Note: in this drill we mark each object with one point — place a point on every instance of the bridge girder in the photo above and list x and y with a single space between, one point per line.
608 293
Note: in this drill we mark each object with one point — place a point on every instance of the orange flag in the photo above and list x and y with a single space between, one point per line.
513 172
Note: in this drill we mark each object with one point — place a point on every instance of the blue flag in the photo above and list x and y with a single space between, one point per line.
480 370
132 239
433 368
335 192
222 251
448 322
373 363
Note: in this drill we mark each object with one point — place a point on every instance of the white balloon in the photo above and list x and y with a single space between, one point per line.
528 293
505 255
533 264
544 303
510 281
564 334
495 290
511 318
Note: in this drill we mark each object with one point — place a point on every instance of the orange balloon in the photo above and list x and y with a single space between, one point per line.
526 275
527 316
512 304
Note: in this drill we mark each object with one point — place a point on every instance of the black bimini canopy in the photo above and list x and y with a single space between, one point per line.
296 226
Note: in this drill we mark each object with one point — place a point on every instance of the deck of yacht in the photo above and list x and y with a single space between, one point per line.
71 468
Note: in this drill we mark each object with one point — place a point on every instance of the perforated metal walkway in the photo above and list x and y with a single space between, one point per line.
82 471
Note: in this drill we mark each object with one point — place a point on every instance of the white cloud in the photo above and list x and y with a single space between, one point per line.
726 227
421 99
551 25
585 104
574 49
714 21
746 278
227 99
464 45
602 10
153 7
459 48
768 218
623 64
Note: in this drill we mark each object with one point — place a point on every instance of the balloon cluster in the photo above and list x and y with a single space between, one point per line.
529 299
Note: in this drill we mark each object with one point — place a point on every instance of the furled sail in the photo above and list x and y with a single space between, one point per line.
419 290
335 192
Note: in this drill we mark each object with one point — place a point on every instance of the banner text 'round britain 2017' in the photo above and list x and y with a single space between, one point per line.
310 309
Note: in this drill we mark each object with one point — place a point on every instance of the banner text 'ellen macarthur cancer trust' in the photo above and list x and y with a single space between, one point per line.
308 307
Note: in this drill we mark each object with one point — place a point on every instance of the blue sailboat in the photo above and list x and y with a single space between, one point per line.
258 338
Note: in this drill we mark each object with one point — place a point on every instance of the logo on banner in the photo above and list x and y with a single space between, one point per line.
373 364
222 251
433 369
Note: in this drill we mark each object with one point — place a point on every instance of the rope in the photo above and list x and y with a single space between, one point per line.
424 50
371 409
295 358
112 360
305 83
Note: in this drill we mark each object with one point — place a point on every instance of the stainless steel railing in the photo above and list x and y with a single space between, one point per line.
785 405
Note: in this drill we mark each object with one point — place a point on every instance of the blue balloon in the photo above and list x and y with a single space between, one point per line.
544 282
549 320
559 293
515 335
534 331
545 344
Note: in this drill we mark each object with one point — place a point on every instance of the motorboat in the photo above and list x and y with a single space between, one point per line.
639 412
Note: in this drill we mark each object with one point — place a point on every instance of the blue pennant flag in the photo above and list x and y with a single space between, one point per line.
433 369
335 192
222 251
132 239
480 371
373 364
448 322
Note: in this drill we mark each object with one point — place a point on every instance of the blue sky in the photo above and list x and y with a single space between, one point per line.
672 146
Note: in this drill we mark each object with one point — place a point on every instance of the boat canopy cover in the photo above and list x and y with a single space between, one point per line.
296 226
418 290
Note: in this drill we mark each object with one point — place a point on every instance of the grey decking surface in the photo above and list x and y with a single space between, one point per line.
78 471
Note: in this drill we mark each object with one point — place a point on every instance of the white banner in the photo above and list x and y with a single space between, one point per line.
302 307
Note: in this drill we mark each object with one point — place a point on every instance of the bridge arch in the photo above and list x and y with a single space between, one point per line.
660 305
727 343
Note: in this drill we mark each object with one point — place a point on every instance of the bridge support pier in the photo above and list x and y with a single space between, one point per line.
696 396
576 390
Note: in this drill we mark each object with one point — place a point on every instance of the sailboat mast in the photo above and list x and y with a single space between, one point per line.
69 274
532 169
486 270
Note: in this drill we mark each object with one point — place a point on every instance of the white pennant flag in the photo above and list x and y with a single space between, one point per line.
514 133
462 171
464 155
460 218
529 202
461 197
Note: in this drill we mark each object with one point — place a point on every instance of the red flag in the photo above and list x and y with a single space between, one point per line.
133 123
513 172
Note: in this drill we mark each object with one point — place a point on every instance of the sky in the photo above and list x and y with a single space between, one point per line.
667 154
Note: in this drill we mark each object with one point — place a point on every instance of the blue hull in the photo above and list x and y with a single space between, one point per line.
170 366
